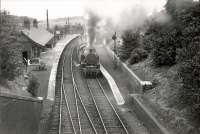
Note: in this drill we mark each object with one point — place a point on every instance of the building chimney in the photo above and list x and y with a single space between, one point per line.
27 23
35 23
47 20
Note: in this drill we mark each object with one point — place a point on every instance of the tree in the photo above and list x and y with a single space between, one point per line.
8 35
161 40
178 42
130 42
189 57
7 66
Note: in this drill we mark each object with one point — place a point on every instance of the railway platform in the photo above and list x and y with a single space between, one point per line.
52 57
47 78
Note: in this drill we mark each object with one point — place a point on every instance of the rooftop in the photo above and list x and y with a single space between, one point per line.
38 35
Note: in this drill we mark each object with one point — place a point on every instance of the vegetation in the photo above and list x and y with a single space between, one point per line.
137 55
33 86
189 56
164 45
131 48
7 66
8 35
177 42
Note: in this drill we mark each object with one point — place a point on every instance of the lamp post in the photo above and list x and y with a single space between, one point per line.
114 37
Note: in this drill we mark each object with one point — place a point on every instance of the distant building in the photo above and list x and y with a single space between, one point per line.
73 29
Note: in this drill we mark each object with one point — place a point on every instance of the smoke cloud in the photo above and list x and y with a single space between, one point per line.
132 19
92 23
105 16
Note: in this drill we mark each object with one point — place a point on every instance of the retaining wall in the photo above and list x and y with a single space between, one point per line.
146 117
19 115
139 108
136 83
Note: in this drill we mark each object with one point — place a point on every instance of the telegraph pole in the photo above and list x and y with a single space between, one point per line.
114 37
47 15
0 18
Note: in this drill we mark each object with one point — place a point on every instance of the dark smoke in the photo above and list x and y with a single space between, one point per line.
92 26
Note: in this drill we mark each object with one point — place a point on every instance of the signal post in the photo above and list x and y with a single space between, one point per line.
114 37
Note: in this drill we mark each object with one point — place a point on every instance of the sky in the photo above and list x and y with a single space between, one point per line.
65 8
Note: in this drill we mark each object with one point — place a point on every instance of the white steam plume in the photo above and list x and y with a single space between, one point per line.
120 15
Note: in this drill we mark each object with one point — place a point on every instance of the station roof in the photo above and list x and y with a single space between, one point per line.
38 35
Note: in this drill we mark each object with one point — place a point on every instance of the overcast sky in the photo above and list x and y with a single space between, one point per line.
64 8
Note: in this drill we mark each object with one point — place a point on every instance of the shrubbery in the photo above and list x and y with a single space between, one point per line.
7 36
189 56
123 56
178 42
33 86
131 48
190 92
7 66
164 51
161 40
137 55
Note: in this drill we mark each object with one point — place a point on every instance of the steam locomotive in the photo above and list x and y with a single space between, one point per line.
89 61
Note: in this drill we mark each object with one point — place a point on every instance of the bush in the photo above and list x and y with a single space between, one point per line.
164 55
138 55
130 42
189 55
123 56
135 58
162 39
7 67
33 86
178 42
151 36
165 44
190 92
148 45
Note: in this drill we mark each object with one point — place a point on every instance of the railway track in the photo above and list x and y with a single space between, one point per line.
112 121
60 121
69 113
81 107
93 94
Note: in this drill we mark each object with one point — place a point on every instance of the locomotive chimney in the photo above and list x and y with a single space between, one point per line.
47 21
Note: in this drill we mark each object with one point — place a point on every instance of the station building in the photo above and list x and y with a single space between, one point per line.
28 43
37 41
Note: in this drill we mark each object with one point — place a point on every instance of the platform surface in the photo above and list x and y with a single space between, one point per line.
53 57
